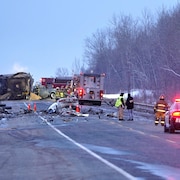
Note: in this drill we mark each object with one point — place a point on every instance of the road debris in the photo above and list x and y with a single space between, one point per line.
34 96
53 108
65 109
66 106
112 114
4 108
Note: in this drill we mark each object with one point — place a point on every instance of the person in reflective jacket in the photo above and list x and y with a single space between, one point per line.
160 109
57 93
120 105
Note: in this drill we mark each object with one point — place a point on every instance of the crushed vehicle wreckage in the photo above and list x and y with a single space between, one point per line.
66 106
15 86
70 107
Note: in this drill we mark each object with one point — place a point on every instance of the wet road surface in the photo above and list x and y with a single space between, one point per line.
48 146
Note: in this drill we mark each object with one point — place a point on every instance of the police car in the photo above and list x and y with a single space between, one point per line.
172 117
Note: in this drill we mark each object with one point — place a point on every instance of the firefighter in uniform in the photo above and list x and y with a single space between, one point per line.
120 105
62 92
59 92
160 109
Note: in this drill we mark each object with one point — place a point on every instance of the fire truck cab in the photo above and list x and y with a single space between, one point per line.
46 82
89 88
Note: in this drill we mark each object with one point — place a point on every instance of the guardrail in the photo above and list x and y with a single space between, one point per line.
147 108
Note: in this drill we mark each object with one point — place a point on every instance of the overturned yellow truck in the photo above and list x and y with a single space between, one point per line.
15 86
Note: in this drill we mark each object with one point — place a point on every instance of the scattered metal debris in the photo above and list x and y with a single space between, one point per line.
66 106
112 114
65 109
4 108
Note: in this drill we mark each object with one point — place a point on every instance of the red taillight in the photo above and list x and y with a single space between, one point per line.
80 92
101 94
176 114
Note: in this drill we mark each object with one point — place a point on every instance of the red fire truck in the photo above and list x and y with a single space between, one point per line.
52 83
61 81
89 88
47 82
55 82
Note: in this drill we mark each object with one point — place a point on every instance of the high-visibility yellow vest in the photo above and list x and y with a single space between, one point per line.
61 94
118 101
57 94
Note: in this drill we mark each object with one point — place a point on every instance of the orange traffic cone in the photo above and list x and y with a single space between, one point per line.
77 108
35 107
29 107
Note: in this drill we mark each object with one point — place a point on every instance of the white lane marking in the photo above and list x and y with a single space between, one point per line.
170 141
121 171
25 104
151 135
154 136
137 131
131 129
140 132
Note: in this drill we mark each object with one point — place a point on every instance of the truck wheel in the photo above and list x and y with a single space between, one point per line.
52 95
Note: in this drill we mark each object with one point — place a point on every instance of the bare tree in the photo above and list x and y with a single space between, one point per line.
141 53
76 67
171 70
62 72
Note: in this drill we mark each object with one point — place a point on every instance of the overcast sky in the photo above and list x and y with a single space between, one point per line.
40 36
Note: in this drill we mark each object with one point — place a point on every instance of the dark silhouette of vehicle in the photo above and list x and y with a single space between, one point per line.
15 86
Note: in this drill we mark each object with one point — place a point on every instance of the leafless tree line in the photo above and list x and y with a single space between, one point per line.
138 53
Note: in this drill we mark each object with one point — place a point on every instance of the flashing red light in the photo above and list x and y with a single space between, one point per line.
176 114
101 94
80 92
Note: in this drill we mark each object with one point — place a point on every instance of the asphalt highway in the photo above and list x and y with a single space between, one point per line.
38 145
